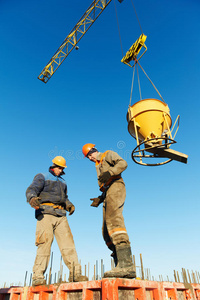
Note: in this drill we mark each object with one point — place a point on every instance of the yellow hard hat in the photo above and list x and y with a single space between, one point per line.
59 161
86 149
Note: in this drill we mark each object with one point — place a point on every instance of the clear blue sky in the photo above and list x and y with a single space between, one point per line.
86 101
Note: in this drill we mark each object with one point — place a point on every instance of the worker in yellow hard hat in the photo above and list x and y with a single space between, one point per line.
109 166
48 195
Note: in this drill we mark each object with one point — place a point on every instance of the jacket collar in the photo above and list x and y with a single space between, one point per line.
52 172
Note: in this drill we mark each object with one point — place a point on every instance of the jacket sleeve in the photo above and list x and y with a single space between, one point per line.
36 187
102 197
117 164
67 202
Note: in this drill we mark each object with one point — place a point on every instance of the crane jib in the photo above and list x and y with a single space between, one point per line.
71 41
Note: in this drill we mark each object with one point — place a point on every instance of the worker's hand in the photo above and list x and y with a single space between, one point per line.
34 202
104 177
70 209
96 202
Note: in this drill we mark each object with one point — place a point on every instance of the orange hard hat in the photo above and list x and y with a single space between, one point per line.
59 161
86 149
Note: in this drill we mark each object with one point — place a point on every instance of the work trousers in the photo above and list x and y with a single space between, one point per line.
47 227
114 230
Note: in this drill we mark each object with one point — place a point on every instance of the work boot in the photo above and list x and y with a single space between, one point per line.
76 276
40 281
125 267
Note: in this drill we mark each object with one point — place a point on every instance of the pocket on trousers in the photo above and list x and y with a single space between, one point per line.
40 237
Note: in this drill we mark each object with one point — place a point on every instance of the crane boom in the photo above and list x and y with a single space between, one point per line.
70 42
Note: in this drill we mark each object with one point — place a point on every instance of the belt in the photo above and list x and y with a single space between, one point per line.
53 205
106 185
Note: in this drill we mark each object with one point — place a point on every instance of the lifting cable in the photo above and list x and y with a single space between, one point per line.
122 48
137 16
136 64
132 85
151 82
118 28
139 83
136 61
118 23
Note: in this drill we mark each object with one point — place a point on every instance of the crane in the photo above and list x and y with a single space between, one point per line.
71 41
149 120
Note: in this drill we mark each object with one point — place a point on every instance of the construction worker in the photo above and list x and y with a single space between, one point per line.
48 195
109 166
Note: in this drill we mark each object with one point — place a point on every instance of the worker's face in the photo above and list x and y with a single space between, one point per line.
58 170
92 156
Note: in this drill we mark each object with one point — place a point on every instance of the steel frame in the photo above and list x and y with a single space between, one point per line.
151 145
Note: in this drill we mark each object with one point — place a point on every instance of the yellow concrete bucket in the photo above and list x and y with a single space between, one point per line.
148 119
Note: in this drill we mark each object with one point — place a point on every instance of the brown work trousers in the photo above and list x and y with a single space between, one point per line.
114 230
47 227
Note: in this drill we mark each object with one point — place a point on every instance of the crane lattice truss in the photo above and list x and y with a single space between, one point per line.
70 42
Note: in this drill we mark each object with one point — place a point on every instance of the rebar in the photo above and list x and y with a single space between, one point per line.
96 269
88 271
175 278
142 270
50 270
189 276
102 273
25 278
178 277
30 282
197 276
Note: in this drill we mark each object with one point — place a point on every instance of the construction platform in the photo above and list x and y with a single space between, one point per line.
105 289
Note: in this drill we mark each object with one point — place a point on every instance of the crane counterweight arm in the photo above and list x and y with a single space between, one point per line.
70 42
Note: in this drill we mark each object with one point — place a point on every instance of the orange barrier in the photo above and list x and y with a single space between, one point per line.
106 289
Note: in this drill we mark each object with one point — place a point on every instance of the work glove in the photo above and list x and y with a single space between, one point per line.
70 208
104 177
96 202
34 202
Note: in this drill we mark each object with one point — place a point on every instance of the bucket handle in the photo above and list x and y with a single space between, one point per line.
170 131
178 122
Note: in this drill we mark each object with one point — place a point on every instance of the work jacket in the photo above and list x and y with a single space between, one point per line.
109 161
51 189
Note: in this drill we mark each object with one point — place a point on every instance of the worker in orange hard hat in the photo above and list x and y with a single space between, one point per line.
87 148
109 166
48 195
